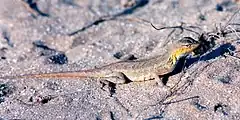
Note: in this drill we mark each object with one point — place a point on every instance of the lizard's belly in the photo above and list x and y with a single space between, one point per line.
140 76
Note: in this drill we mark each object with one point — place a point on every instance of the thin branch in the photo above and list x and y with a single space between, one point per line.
178 27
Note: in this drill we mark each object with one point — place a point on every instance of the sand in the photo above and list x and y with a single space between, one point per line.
113 30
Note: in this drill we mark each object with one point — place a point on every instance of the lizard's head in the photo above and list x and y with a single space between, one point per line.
183 47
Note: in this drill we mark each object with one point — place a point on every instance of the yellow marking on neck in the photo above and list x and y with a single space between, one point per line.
177 53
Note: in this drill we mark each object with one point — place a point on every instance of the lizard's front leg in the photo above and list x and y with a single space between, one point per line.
162 81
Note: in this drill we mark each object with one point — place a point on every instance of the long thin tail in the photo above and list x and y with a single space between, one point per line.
70 74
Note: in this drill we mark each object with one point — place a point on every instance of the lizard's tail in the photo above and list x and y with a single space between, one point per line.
70 74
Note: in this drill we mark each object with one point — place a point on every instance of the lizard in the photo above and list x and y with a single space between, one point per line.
129 71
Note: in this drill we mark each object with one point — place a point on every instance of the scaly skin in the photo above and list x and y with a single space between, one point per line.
125 71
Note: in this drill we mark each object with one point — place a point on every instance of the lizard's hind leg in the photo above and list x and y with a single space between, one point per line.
112 79
117 78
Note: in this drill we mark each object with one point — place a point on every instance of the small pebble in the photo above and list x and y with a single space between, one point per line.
202 17
196 104
219 7
225 79
118 55
221 108
58 58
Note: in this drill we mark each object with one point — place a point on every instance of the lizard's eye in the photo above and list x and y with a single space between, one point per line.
188 40
187 45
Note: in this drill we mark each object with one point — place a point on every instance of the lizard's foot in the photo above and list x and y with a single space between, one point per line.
111 87
161 82
164 87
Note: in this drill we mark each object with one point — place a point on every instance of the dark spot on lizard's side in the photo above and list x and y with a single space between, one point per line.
52 56
221 108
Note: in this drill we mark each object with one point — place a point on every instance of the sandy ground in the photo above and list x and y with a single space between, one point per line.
37 43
